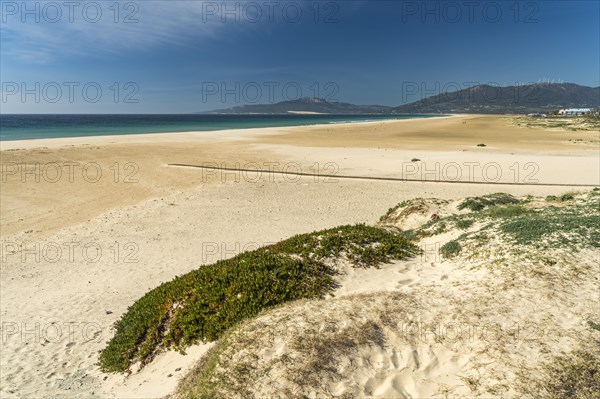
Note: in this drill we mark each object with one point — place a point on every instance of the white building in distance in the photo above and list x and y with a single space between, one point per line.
574 111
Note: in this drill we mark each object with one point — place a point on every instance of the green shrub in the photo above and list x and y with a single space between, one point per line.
203 304
450 249
362 245
567 197
435 227
594 326
480 203
464 224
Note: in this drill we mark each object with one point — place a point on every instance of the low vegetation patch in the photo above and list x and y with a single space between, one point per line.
588 123
391 211
203 304
594 326
486 201
506 212
450 249
464 224
361 245
501 225
552 228
567 197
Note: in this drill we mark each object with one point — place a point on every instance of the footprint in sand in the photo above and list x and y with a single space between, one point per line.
400 384
415 356
394 359
68 347
402 283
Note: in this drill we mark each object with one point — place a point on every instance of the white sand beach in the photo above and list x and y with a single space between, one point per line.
91 224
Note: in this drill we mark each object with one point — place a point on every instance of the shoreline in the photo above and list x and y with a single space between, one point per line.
54 142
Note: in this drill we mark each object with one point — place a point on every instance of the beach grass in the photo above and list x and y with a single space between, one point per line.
572 375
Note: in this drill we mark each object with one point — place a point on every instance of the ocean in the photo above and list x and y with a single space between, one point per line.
41 126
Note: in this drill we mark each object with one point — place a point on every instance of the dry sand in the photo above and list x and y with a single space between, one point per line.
94 244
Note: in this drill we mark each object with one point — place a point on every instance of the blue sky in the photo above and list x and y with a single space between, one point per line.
187 56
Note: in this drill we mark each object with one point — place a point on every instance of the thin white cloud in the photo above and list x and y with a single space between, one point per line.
140 25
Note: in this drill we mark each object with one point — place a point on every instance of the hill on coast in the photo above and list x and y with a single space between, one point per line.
511 99
305 105
479 99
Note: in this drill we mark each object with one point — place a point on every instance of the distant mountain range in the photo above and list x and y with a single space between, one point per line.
480 99
306 105
511 99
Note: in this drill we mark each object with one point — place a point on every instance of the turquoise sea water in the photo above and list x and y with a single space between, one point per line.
27 127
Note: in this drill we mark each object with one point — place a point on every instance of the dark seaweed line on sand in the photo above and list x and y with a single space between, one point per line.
396 179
